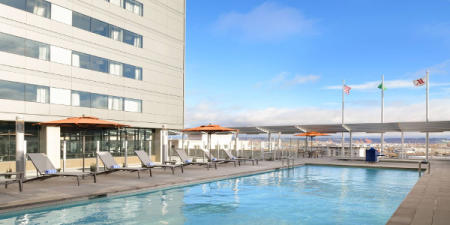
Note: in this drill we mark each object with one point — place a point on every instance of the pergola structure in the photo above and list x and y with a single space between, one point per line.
422 127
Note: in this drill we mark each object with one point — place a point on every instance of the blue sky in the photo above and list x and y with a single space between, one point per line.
278 62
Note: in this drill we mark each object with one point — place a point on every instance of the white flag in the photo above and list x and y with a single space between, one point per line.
419 82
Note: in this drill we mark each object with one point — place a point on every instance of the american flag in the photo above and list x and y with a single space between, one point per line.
419 82
347 89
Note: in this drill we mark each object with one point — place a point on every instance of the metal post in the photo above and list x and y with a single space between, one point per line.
351 147
402 145
126 153
96 156
83 151
382 113
64 155
343 103
427 110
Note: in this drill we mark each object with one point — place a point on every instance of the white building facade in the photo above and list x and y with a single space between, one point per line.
118 60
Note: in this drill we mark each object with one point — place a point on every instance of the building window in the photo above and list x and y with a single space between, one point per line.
18 4
115 2
132 38
132 105
115 68
60 55
60 96
81 60
80 98
99 64
115 103
138 73
99 27
116 33
129 71
61 14
99 101
81 21
134 6
39 7
12 90
12 44
37 50
36 93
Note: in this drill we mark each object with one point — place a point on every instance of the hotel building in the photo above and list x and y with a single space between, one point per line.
118 60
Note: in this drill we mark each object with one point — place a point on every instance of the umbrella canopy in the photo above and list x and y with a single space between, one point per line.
311 134
209 129
83 122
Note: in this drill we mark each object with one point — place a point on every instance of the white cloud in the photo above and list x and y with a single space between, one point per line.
285 79
213 113
268 21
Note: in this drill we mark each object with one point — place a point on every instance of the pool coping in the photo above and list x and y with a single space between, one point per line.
15 208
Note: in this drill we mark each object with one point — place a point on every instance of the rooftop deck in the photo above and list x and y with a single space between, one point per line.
428 202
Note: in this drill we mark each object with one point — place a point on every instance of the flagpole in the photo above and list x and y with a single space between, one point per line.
427 141
382 113
343 97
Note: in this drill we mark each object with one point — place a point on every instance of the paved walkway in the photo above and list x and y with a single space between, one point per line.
428 203
60 190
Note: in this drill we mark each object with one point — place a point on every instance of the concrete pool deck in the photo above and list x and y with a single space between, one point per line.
61 190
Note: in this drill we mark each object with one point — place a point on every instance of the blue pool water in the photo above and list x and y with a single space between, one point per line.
303 195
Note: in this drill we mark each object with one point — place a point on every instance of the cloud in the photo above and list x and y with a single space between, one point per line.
209 112
285 79
266 22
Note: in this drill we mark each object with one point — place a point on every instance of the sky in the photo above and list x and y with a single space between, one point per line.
255 62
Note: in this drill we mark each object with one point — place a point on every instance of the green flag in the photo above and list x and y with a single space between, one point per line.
381 86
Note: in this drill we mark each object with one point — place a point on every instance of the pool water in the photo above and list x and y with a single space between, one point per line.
302 195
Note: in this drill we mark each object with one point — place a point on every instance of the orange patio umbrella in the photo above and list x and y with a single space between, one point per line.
210 129
84 123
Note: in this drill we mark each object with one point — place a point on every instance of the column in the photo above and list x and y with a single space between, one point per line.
160 144
50 138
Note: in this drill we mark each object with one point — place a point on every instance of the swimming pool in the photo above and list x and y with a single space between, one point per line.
302 195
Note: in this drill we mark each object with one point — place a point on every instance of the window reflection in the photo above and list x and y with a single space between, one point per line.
82 99
99 101
12 44
39 7
18 4
12 90
37 50
36 93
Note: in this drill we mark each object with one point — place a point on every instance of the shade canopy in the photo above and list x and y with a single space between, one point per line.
83 122
311 134
210 129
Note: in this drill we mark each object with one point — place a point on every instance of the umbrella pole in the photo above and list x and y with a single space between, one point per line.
83 150
209 146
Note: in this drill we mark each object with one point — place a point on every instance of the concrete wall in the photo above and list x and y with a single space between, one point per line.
162 60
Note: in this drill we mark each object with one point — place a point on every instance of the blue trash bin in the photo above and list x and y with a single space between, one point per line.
371 155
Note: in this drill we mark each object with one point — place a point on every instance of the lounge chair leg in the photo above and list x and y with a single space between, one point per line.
78 180
20 186
234 163
150 171
95 178
139 175
215 166
173 170
6 185
182 170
